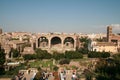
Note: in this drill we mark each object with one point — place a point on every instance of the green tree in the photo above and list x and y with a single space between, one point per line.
15 53
100 40
39 75
73 55
88 74
2 60
42 54
55 68
39 53
2 57
58 56
117 57
94 54
108 69
64 61
84 48
105 54
47 55
29 56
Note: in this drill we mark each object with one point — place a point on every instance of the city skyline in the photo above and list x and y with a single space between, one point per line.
70 16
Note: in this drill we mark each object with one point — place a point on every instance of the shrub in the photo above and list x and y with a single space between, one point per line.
58 56
55 68
64 61
94 54
29 56
73 55
38 76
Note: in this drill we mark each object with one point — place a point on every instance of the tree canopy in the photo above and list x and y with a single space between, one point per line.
15 53
2 57
94 54
108 69
2 60
84 48
42 54
73 55
58 56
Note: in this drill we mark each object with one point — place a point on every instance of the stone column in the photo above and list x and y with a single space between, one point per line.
32 44
7 56
11 55
36 43
49 43
75 44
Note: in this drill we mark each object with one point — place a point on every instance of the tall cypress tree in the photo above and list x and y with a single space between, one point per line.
2 60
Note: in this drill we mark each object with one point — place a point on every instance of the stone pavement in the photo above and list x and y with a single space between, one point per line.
68 76
29 76
51 78
5 78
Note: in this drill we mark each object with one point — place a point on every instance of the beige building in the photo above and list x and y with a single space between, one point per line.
112 44
12 44
53 42
103 46
28 50
16 44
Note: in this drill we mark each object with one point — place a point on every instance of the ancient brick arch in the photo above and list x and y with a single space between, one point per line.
58 42
43 41
69 39
69 42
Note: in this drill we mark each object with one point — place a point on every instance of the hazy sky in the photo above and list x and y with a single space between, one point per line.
79 16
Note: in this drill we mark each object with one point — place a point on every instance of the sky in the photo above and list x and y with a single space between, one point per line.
69 16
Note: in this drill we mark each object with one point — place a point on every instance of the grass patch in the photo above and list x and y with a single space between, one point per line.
41 63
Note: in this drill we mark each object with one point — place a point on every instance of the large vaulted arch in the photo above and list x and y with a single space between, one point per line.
56 42
42 41
69 42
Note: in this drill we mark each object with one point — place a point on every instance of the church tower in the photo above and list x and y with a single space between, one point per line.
109 33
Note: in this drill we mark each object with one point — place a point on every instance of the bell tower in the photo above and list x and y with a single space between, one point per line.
109 33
